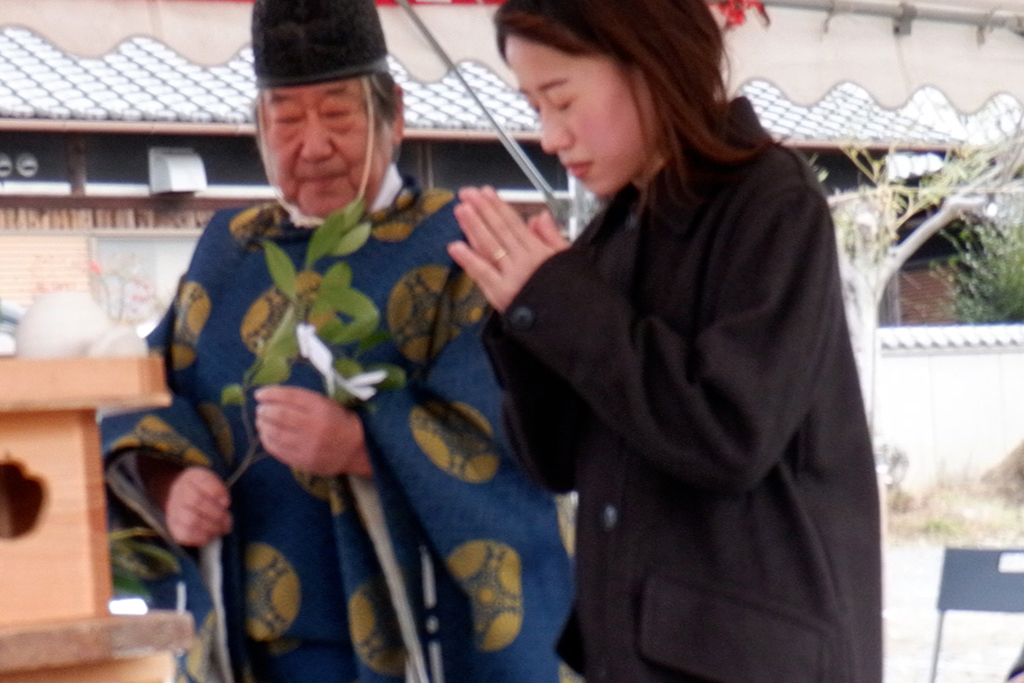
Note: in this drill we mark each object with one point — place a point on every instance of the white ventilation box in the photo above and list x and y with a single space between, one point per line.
175 169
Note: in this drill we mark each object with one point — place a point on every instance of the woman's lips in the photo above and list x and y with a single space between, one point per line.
578 169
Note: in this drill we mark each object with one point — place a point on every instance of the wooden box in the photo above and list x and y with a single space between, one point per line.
54 552
135 649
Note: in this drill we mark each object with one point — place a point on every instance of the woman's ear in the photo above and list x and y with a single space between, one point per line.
650 122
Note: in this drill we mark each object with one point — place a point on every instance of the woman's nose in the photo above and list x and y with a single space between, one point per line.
554 136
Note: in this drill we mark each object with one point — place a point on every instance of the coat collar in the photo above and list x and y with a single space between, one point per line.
675 207
674 211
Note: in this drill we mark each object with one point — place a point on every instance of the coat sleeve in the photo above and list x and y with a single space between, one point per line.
716 408
1018 666
540 410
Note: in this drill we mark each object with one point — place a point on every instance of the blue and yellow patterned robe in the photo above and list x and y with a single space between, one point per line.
305 600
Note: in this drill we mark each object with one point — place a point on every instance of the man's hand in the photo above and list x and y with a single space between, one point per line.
197 507
310 432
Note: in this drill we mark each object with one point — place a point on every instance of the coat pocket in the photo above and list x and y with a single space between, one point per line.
716 636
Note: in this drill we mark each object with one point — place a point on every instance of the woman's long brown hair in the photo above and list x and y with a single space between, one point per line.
677 47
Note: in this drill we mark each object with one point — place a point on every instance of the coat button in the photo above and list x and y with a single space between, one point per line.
521 318
609 517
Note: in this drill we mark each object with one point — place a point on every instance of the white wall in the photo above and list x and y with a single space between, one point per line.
954 412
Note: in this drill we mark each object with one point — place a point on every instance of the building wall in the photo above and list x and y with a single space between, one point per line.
955 413
33 263
925 296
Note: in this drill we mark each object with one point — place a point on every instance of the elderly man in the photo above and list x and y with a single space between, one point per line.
339 537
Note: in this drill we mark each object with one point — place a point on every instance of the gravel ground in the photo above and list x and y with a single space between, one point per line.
977 647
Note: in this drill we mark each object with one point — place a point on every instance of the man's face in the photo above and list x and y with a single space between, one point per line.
316 136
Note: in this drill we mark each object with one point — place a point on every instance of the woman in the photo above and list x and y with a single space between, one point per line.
685 365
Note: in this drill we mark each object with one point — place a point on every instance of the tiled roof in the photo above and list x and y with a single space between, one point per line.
913 337
848 112
144 80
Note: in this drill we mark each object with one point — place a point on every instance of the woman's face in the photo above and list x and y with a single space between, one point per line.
594 114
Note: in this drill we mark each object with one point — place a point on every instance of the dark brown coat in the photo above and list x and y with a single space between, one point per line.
690 374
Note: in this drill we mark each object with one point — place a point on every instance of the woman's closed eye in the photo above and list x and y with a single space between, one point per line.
561 104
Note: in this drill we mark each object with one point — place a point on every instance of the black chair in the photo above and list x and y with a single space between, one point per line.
979 580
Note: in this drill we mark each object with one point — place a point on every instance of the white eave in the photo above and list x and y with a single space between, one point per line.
952 337
817 78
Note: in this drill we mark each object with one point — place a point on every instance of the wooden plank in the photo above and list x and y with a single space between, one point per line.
158 668
44 647
60 567
81 383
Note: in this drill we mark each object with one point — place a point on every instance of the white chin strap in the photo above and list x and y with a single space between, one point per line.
295 214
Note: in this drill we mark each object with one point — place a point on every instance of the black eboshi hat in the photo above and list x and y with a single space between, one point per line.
298 42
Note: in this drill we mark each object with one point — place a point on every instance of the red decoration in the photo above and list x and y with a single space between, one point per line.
443 2
735 11
395 2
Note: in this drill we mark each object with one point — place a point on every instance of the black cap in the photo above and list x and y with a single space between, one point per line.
298 42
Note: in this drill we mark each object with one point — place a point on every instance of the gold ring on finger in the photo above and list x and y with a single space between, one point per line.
498 255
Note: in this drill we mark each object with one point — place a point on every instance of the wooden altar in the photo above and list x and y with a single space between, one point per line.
55 577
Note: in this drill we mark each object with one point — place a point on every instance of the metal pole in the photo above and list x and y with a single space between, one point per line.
513 147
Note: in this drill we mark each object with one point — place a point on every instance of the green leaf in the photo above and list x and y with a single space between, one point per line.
351 214
332 331
273 369
145 560
355 304
325 238
232 395
378 337
356 330
347 367
352 240
336 280
396 376
331 233
281 268
283 341
127 586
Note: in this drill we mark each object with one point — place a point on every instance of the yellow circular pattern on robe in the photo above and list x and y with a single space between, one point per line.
265 313
192 310
410 217
272 594
153 432
197 659
374 628
456 438
325 488
435 198
393 231
219 426
491 575
413 309
249 226
282 646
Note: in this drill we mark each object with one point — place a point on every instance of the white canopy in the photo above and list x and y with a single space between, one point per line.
967 49
808 51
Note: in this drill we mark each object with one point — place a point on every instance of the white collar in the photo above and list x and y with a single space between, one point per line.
390 186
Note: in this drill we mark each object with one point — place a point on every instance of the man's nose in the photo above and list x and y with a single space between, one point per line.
316 139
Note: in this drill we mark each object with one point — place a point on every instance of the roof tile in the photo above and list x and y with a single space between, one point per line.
143 79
